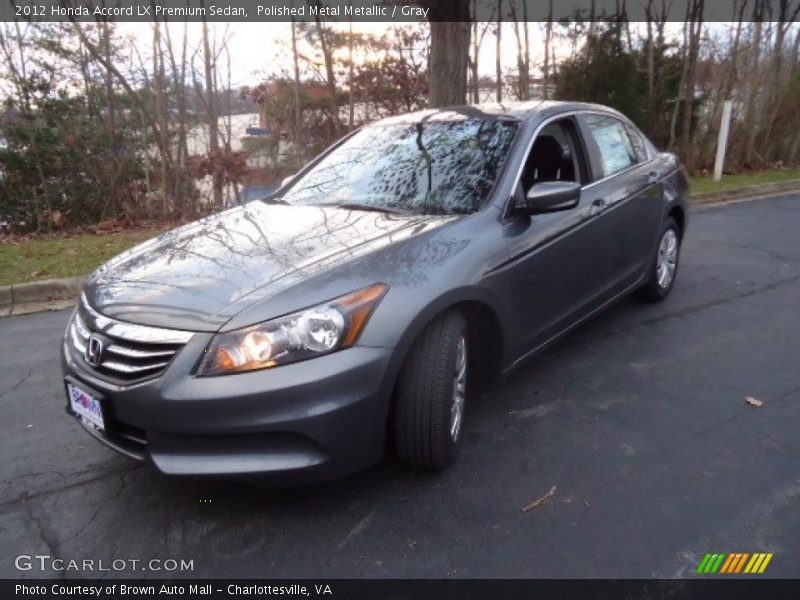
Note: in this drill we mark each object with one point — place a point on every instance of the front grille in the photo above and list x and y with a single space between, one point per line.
130 352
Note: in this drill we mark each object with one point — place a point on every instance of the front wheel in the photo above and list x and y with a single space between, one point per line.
664 268
431 395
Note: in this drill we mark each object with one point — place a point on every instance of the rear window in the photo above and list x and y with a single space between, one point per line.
616 149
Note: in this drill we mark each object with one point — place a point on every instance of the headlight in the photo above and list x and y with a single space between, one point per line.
305 334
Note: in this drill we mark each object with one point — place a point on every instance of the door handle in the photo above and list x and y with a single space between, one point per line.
597 207
652 177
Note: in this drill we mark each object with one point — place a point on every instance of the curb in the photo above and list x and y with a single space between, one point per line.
35 296
751 191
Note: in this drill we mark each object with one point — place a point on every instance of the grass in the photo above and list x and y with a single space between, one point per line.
29 259
733 182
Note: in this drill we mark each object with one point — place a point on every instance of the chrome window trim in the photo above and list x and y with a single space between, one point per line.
135 333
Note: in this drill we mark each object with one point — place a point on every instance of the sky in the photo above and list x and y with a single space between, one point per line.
261 49
258 50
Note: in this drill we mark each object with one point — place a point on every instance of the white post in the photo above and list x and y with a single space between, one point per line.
722 142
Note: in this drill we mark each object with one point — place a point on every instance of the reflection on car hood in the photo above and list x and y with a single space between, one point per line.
191 275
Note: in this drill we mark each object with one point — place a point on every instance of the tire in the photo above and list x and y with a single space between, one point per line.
428 426
661 276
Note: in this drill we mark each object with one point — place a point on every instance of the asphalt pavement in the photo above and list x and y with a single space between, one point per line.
638 421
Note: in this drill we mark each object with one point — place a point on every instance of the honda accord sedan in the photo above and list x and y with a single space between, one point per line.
298 337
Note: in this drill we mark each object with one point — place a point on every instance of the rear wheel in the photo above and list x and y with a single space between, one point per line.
665 265
431 394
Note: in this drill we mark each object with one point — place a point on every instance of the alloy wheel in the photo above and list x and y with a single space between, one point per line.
459 389
667 259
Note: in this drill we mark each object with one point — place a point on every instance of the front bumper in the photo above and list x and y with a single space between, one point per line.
308 421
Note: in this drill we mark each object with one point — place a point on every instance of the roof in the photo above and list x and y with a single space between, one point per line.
513 110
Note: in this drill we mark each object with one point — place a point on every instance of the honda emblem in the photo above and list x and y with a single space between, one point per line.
94 351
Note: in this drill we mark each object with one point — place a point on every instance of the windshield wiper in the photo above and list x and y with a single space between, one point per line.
273 200
371 207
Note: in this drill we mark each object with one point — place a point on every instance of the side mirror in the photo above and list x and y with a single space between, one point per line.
288 179
551 196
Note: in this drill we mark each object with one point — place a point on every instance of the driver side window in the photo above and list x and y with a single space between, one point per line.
554 156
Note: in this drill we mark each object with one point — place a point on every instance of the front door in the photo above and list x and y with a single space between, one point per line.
560 263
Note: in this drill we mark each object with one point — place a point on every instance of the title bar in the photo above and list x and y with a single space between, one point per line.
398 11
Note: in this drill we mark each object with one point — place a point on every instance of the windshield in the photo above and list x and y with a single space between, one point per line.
434 167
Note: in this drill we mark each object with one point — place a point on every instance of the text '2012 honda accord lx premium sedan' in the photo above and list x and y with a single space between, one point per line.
295 338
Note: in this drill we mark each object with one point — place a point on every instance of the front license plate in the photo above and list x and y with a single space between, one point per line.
85 406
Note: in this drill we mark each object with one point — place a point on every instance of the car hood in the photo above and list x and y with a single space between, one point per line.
198 276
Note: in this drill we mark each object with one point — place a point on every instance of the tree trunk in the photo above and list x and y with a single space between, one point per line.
527 59
297 136
330 77
113 199
651 64
161 117
695 30
449 54
682 84
182 151
211 110
352 107
478 34
522 85
498 53
473 63
751 110
548 34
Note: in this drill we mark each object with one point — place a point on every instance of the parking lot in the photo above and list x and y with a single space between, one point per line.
638 420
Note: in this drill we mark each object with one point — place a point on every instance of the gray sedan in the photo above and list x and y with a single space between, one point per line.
297 337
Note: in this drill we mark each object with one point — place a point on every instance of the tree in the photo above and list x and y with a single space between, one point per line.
449 53
394 79
63 157
498 53
324 42
212 110
296 67
325 45
478 33
548 36
787 15
604 72
695 28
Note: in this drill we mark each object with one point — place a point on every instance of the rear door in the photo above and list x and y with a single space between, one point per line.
627 191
